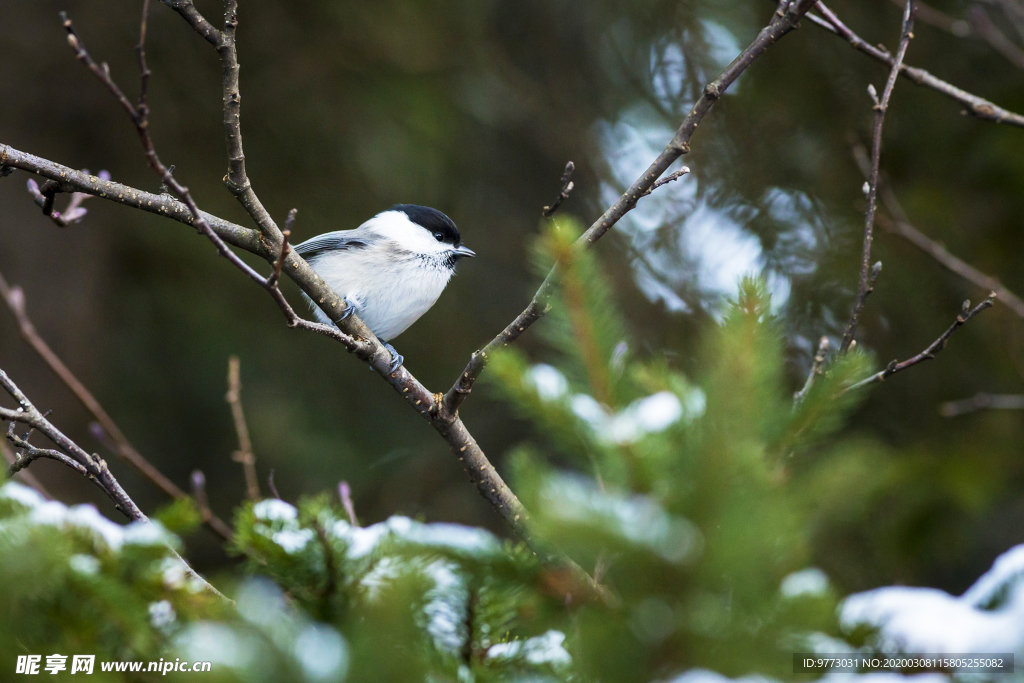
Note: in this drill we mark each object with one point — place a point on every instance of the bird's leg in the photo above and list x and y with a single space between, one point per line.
346 312
396 358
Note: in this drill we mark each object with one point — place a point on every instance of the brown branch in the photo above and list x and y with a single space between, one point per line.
982 401
782 23
273 487
974 105
927 14
345 494
72 455
1013 10
817 367
285 247
899 224
567 186
25 475
867 273
44 198
671 177
199 494
14 298
244 453
933 349
236 180
983 27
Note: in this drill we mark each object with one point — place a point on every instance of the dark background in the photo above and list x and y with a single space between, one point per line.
474 107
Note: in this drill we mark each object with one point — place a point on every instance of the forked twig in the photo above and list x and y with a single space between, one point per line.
966 314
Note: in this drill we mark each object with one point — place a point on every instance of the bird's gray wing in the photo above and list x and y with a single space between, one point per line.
340 240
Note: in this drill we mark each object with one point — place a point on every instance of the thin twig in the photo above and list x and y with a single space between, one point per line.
14 298
668 179
985 28
25 475
272 486
782 23
933 349
71 454
899 224
244 453
88 464
199 493
974 105
44 198
935 17
567 186
817 366
982 401
285 248
345 494
881 106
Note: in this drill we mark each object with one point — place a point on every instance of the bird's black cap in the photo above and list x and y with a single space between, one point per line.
432 220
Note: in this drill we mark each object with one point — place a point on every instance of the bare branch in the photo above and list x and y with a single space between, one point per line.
14 298
285 248
817 367
982 401
974 105
867 274
30 453
927 14
90 465
567 186
668 179
782 23
72 455
272 486
345 494
899 224
933 349
985 28
202 501
244 453
25 475
44 199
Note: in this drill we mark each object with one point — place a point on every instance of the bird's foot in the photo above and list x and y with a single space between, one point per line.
396 358
346 312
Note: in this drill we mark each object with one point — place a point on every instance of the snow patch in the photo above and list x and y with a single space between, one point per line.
810 581
544 649
274 510
988 617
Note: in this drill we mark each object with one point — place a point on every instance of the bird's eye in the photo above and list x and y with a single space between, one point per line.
438 236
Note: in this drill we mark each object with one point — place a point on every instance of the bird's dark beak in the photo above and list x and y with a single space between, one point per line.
462 252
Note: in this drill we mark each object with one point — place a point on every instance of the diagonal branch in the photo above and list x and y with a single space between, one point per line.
15 300
782 23
966 314
244 454
867 274
974 105
25 475
71 454
898 223
982 401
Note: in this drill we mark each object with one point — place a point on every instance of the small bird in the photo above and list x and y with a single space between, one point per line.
390 270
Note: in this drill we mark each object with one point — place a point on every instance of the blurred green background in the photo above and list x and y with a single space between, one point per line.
473 107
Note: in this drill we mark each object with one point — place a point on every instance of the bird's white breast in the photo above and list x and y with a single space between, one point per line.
390 288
